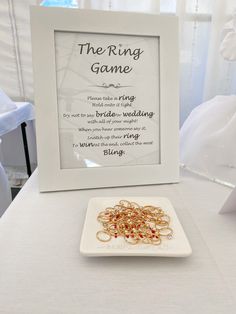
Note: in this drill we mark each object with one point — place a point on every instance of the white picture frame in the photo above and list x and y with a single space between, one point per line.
49 23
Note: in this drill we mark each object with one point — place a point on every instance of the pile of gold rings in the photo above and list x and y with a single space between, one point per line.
136 224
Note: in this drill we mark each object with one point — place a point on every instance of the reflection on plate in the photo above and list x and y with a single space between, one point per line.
178 246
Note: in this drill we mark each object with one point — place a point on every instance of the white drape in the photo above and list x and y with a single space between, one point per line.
15 49
204 73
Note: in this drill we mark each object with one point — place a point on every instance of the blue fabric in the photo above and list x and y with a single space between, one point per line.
60 3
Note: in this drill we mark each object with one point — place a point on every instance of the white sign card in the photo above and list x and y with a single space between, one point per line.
106 93
108 99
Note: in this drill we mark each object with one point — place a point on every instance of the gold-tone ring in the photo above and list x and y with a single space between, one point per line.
132 241
147 241
166 232
156 241
134 205
101 239
124 203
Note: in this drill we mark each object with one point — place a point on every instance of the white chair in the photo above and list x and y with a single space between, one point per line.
5 192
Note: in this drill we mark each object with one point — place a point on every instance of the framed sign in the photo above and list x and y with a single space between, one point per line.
106 94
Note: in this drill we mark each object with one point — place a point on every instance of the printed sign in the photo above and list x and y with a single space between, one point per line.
108 99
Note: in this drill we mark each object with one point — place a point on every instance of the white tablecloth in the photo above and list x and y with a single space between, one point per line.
12 119
42 271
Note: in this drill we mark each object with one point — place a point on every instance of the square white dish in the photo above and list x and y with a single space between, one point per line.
178 246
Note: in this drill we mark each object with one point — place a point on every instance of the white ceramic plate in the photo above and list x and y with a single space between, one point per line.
178 246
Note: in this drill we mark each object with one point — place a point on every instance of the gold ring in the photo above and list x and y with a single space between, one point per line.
98 235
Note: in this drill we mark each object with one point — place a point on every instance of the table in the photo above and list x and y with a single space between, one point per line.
12 119
42 271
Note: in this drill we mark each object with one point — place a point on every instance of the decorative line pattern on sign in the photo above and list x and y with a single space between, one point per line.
104 85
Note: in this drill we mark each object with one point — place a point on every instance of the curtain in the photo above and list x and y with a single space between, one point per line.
203 71
16 77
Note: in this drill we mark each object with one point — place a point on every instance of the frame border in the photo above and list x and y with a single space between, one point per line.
44 21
